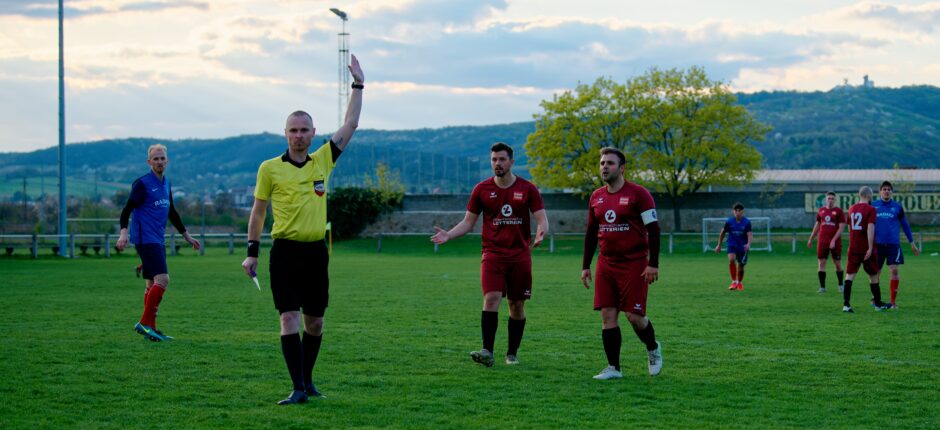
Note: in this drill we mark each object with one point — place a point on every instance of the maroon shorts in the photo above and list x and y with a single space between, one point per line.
620 285
511 278
823 251
855 261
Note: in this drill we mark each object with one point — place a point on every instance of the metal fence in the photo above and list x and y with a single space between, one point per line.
676 242
104 243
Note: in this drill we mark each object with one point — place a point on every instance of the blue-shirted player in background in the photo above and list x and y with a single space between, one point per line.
887 236
151 201
738 228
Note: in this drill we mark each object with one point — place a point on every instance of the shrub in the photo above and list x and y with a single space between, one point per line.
350 210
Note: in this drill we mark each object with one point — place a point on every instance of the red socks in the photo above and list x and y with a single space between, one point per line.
151 301
894 289
733 270
741 274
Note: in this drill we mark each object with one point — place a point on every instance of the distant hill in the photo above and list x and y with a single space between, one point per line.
847 127
850 127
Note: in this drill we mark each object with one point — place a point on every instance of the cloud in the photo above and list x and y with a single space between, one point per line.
79 9
134 66
924 18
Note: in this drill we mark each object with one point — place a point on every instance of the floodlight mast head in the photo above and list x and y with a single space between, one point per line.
339 13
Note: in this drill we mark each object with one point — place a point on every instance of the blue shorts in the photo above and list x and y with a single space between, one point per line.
153 258
740 255
890 253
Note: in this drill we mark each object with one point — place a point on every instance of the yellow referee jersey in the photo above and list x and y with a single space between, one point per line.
297 194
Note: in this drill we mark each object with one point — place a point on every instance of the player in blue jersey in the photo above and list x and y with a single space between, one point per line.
887 236
151 202
738 229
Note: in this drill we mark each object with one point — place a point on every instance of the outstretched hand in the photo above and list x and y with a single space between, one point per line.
440 237
356 70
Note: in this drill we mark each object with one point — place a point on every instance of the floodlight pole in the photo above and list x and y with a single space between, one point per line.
343 57
63 209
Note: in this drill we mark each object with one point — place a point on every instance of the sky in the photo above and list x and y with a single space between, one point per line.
210 69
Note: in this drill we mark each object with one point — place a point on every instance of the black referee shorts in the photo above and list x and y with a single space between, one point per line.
299 277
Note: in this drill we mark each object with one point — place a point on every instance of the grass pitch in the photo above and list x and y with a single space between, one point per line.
400 325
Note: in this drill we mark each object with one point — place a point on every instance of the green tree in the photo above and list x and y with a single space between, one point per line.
680 130
388 184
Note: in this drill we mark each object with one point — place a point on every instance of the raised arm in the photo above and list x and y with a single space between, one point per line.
462 228
351 122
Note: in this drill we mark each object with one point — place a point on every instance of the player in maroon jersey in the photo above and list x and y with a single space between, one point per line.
505 201
862 251
622 217
830 221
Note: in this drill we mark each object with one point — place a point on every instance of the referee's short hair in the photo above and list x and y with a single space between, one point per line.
500 146
886 184
301 114
738 206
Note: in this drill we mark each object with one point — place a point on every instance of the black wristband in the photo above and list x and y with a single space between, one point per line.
253 247
358 86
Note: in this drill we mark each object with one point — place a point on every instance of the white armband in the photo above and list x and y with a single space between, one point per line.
649 216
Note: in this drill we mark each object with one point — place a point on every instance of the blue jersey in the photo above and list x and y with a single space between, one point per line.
737 231
890 217
151 198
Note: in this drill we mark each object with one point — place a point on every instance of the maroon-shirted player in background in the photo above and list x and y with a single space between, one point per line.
622 217
830 221
505 201
862 251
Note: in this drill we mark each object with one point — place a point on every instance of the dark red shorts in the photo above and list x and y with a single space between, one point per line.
855 261
620 285
823 251
511 278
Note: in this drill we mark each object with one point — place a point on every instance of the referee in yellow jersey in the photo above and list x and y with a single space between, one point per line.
296 184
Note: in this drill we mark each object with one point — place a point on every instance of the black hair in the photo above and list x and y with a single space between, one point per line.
500 146
611 150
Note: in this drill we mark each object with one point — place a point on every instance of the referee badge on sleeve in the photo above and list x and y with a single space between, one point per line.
319 187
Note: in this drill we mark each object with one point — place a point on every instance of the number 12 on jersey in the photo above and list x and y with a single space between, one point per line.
856 221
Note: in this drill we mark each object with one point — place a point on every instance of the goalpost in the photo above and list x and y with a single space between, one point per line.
760 230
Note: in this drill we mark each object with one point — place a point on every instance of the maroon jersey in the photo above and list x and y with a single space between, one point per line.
860 215
505 212
829 219
618 220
